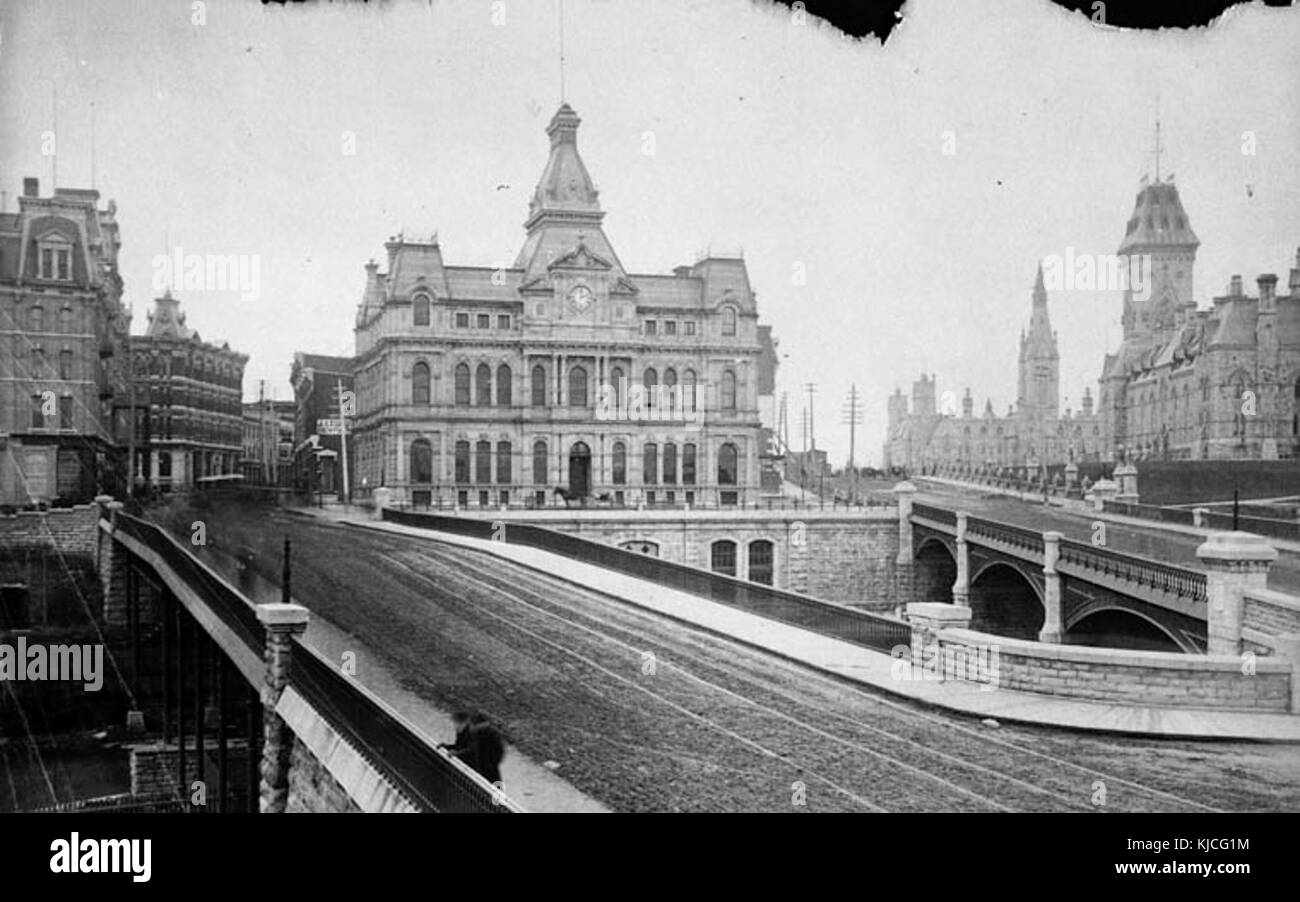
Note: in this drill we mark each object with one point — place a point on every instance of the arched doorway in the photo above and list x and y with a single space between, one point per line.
1004 603
934 573
580 469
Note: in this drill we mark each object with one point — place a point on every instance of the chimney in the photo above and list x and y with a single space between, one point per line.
1234 287
31 187
682 272
1267 284
1087 402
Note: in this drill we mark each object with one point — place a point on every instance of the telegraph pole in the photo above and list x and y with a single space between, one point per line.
261 427
343 442
853 416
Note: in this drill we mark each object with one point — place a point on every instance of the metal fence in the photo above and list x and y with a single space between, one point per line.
430 778
870 630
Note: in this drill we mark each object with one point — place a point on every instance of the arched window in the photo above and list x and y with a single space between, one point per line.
722 557
616 378
728 321
503 463
650 464
650 379
760 562
483 462
462 385
539 462
421 461
688 391
483 385
65 321
670 390
504 388
727 464
620 463
539 386
421 309
728 399
36 319
462 462
65 364
688 464
670 463
577 387
420 384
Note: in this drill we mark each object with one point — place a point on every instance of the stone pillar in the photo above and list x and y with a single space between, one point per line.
1071 480
282 622
112 572
961 587
1234 562
1198 516
1127 476
1103 490
1052 630
927 620
903 563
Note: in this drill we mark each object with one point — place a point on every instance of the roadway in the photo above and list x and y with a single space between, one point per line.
647 714
1168 546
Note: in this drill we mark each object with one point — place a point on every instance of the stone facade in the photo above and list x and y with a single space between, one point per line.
312 788
61 325
563 371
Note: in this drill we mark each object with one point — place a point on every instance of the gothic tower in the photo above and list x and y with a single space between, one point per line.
1038 391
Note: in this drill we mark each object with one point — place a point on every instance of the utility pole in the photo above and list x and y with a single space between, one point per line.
261 427
343 443
811 388
853 416
130 399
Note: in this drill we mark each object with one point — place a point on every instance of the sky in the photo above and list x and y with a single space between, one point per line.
891 202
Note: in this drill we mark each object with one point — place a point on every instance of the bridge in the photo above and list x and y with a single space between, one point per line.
1040 584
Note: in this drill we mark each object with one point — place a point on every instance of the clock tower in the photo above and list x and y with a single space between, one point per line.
1038 396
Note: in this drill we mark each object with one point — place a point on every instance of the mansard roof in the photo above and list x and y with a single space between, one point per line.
1159 221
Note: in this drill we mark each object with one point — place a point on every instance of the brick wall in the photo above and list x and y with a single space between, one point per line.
1120 676
72 530
153 771
312 788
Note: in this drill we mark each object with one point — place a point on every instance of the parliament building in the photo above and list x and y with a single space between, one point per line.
562 378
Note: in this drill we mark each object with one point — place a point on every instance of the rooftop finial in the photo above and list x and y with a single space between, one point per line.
1157 137
562 98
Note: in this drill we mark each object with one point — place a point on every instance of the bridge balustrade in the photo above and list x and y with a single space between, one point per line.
1161 577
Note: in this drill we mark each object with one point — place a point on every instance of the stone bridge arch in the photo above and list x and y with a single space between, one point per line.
1114 621
934 570
1005 600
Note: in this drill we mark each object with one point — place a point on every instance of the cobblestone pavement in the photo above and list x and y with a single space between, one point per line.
646 714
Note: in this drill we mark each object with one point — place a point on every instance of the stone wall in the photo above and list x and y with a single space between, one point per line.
312 788
1271 612
72 530
1120 676
844 557
153 772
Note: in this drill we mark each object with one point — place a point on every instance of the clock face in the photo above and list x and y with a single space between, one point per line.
581 298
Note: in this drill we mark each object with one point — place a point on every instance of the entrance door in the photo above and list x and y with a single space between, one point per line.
580 469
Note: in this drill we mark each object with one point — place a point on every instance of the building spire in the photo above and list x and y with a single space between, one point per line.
1157 152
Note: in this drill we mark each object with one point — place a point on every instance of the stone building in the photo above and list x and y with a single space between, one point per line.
564 374
318 380
268 442
193 391
61 325
935 436
1197 384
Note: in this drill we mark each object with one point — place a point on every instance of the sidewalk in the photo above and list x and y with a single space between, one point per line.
875 669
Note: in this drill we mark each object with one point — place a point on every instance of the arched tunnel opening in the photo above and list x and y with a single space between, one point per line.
1120 629
1005 604
934 573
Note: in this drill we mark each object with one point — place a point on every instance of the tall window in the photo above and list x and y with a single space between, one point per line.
722 557
503 463
577 387
616 378
65 364
670 463
650 379
38 412
539 462
462 462
760 562
504 388
670 390
65 319
420 384
688 464
688 391
421 305
36 320
483 385
650 464
727 464
483 462
539 386
65 412
728 399
422 461
728 321
620 463
462 385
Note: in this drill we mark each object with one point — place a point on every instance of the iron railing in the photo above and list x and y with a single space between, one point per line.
936 514
864 628
425 774
1170 578
1017 537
